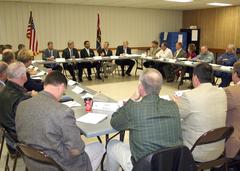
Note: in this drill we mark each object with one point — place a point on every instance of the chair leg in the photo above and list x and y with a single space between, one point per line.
15 163
1 148
6 163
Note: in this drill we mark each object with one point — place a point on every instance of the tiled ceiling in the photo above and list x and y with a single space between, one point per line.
158 4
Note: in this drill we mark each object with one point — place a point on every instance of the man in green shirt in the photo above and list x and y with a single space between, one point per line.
153 123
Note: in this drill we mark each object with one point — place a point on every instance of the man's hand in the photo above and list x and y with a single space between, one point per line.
34 93
136 96
175 98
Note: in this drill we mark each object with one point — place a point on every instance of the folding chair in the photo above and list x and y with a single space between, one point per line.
37 155
209 137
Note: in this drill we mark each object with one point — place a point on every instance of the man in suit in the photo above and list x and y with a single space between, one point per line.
233 112
169 69
202 109
153 124
71 53
53 129
152 52
51 54
3 74
121 51
12 94
86 52
108 66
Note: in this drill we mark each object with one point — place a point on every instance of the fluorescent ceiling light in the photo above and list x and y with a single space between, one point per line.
179 0
219 4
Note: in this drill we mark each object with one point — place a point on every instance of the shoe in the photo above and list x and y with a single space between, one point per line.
123 75
80 80
98 77
129 74
89 78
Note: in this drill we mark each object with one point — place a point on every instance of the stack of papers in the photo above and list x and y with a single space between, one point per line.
78 90
72 104
60 60
71 82
92 118
105 106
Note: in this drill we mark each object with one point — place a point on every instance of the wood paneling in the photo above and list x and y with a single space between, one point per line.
60 23
219 26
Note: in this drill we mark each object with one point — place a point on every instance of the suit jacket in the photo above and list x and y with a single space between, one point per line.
10 97
120 50
46 54
153 51
66 53
181 54
233 119
53 130
109 52
84 53
202 109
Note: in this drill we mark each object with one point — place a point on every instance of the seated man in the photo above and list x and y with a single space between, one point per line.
153 123
233 111
204 56
152 52
8 56
3 74
12 94
165 52
51 54
86 52
53 129
108 66
202 109
20 47
26 56
169 69
70 53
226 59
121 51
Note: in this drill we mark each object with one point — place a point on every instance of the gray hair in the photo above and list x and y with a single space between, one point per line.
151 80
16 70
232 47
3 67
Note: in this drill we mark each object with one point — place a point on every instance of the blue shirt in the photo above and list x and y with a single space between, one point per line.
227 59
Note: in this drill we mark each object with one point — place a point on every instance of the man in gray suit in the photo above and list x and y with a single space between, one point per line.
50 126
3 74
51 54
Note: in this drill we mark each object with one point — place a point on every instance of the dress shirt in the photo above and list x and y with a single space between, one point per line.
227 59
207 57
153 123
178 52
88 51
167 53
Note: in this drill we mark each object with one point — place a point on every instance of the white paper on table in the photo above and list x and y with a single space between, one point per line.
41 73
105 106
60 60
77 90
180 38
71 104
92 118
87 95
71 82
226 68
149 57
166 97
215 65
194 35
180 93
97 57
114 57
188 62
172 60
37 78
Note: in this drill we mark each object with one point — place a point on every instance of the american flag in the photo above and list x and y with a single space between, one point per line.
31 35
98 40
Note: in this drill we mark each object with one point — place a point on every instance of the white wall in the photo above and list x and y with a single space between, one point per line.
60 23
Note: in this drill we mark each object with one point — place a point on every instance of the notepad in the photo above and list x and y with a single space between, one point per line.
72 104
78 90
60 60
105 106
71 82
92 118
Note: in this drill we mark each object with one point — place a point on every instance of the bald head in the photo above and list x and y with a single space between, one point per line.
204 49
151 80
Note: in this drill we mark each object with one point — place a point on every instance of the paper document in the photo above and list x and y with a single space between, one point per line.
97 57
166 97
180 38
41 73
228 68
180 93
77 90
215 65
105 106
114 57
71 82
92 118
37 78
188 62
60 60
87 95
194 35
72 104
172 60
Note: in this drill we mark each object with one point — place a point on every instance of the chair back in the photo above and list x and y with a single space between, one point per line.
171 159
37 155
213 136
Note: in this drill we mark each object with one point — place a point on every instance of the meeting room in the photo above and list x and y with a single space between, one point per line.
120 85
